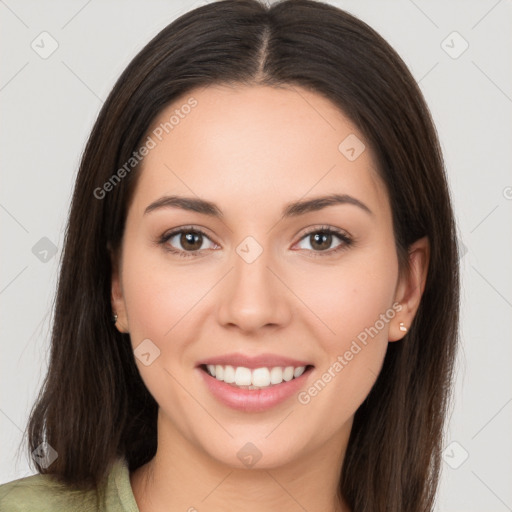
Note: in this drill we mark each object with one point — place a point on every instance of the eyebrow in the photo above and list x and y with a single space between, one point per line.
292 209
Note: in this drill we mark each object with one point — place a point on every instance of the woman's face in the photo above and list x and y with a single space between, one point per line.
220 267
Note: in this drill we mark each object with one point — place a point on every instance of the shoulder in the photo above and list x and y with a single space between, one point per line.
44 493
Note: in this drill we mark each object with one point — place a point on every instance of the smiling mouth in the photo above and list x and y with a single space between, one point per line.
257 378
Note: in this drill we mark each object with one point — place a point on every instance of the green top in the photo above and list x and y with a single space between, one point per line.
42 493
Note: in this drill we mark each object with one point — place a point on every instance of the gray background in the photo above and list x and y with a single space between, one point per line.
48 106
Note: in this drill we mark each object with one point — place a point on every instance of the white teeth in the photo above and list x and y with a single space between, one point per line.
261 377
254 379
229 374
242 376
276 375
288 373
298 371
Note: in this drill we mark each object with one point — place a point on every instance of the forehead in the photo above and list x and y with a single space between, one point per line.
253 146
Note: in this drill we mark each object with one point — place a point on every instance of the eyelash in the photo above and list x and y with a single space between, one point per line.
346 240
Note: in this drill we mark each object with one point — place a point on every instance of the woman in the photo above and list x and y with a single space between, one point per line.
258 299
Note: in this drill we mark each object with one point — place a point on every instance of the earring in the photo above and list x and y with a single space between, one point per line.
402 327
114 318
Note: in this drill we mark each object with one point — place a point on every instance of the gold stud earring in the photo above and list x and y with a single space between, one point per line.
402 327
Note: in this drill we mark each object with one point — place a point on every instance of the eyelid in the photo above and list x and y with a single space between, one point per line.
325 228
186 228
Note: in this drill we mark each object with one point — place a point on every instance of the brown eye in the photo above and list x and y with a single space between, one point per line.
186 242
191 240
323 240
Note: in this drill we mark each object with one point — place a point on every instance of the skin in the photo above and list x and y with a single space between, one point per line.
251 150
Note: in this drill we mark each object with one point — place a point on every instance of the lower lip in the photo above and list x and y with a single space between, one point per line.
253 400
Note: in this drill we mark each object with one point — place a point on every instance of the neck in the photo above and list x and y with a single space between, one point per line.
181 476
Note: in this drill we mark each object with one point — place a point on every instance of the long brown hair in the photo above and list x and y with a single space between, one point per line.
93 405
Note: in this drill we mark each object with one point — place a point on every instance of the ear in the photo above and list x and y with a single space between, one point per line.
410 288
117 297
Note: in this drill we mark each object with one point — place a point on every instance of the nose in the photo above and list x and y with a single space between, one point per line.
253 296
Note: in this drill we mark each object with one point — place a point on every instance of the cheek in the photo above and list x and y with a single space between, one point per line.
357 308
160 300
350 297
159 295
355 301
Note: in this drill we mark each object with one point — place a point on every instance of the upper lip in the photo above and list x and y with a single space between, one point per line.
252 362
